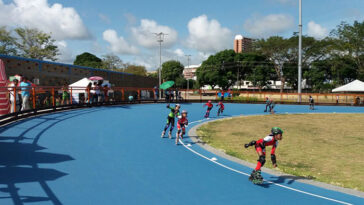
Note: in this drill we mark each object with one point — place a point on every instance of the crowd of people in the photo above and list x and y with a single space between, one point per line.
22 98
19 94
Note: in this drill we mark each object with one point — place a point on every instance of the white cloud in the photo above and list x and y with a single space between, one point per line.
273 24
144 34
179 52
118 44
316 30
130 18
62 22
65 55
285 2
208 35
104 18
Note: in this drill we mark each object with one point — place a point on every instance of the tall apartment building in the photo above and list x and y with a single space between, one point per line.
242 44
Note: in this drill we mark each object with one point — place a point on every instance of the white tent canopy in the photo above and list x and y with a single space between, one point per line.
80 87
355 86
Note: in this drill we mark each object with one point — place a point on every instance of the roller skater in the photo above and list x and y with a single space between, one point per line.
181 125
312 103
221 108
170 120
270 140
209 107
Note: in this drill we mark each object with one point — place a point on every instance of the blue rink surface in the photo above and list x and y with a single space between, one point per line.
115 155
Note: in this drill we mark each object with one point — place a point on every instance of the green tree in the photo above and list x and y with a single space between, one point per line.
154 74
349 39
283 53
276 49
172 70
88 60
33 43
112 62
7 42
257 69
219 69
135 69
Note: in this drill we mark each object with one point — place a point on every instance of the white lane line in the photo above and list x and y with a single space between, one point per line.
243 173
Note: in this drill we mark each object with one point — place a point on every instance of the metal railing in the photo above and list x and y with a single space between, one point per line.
43 99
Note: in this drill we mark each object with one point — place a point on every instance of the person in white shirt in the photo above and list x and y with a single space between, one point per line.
14 97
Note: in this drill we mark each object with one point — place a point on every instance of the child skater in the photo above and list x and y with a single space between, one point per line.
181 125
221 108
270 140
209 107
170 119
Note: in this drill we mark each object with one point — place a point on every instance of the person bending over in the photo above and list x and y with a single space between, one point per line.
209 107
221 108
181 125
170 119
260 145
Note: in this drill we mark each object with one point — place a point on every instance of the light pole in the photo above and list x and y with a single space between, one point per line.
160 40
300 52
188 67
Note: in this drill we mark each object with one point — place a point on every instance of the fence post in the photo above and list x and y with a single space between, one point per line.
15 95
200 95
216 95
71 96
53 98
185 94
122 94
88 95
33 98
139 95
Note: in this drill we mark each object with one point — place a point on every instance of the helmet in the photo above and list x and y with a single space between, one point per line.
178 105
209 101
277 130
184 112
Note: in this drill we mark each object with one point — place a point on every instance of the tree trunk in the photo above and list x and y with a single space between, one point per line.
283 81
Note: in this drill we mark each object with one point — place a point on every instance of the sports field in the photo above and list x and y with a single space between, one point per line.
114 155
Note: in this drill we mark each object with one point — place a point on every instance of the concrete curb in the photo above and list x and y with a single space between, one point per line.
192 134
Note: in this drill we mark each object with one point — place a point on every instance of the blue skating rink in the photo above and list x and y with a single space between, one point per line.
115 155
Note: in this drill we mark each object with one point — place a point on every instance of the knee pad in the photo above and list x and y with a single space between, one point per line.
262 159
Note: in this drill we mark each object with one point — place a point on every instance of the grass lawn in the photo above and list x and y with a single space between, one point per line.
324 147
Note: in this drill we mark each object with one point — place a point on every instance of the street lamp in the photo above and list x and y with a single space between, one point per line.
160 41
188 67
300 52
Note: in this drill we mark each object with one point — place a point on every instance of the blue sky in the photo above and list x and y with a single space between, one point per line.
199 28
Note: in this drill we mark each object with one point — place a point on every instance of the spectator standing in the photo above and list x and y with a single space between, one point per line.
268 103
14 97
65 95
88 93
25 94
311 101
222 95
171 93
99 91
156 93
93 93
176 93
166 92
106 93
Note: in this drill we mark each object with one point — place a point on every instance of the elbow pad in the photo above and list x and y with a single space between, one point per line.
273 158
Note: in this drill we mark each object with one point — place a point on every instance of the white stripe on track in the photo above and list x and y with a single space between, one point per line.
246 174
